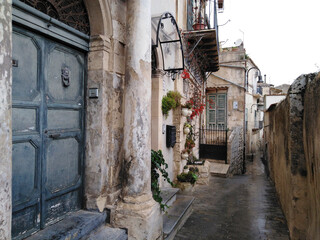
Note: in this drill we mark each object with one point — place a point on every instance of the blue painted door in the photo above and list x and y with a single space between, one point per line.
47 113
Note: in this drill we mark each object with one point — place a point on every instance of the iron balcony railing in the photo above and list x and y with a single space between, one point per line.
202 14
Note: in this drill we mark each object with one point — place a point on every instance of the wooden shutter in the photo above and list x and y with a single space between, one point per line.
221 111
211 111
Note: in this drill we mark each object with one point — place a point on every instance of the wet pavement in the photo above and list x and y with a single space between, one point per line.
240 208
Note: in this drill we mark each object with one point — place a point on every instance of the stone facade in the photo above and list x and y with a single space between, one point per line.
117 123
5 120
235 151
237 78
292 139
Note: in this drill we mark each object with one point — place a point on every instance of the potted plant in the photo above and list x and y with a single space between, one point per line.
198 16
170 101
185 109
186 180
189 143
186 128
197 104
185 154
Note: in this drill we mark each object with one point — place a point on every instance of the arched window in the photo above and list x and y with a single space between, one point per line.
71 12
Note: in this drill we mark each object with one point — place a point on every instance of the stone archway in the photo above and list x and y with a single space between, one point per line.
99 17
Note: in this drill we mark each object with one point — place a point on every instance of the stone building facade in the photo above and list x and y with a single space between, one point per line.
292 143
78 101
237 79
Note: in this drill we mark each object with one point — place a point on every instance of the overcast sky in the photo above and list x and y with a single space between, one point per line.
281 36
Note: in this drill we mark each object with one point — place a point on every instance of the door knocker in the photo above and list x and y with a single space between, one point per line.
65 76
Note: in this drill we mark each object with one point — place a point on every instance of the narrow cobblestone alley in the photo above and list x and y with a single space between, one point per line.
238 208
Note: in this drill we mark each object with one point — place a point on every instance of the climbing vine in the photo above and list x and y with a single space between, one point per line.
158 165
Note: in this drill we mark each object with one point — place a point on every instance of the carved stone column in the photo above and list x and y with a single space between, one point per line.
137 211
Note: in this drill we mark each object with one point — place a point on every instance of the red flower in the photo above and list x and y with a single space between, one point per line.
185 74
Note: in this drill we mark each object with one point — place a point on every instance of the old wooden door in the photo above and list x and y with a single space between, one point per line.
48 113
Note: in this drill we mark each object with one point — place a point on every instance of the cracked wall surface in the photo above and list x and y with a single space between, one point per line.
104 118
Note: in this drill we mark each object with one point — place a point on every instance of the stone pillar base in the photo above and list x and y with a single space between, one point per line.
141 216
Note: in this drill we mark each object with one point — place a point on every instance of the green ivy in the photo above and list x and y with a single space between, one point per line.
158 165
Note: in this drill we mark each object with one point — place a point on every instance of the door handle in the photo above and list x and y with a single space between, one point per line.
54 136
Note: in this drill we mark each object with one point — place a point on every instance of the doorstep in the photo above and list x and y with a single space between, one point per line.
74 226
219 169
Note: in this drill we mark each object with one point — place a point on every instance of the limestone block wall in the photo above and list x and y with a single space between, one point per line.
104 118
5 119
235 151
293 156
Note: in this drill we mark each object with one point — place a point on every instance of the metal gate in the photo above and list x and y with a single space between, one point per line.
213 144
47 113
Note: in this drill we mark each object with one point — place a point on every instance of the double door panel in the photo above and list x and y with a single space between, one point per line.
47 114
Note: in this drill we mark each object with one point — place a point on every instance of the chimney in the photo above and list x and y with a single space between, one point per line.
265 78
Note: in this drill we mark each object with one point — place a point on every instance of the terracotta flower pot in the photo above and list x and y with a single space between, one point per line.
199 26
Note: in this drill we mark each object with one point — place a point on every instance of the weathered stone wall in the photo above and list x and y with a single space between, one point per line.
5 119
293 156
235 94
104 118
311 133
241 86
235 151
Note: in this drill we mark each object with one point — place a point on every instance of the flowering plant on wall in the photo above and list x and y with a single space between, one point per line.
196 103
185 74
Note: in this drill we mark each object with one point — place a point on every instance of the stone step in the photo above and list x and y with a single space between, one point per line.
219 169
73 227
176 216
104 233
168 195
215 161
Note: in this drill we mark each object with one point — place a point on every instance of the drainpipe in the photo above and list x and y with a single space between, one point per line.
244 112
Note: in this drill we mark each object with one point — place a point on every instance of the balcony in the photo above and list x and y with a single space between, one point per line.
201 37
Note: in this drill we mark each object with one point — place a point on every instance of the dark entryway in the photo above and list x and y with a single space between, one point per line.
48 123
